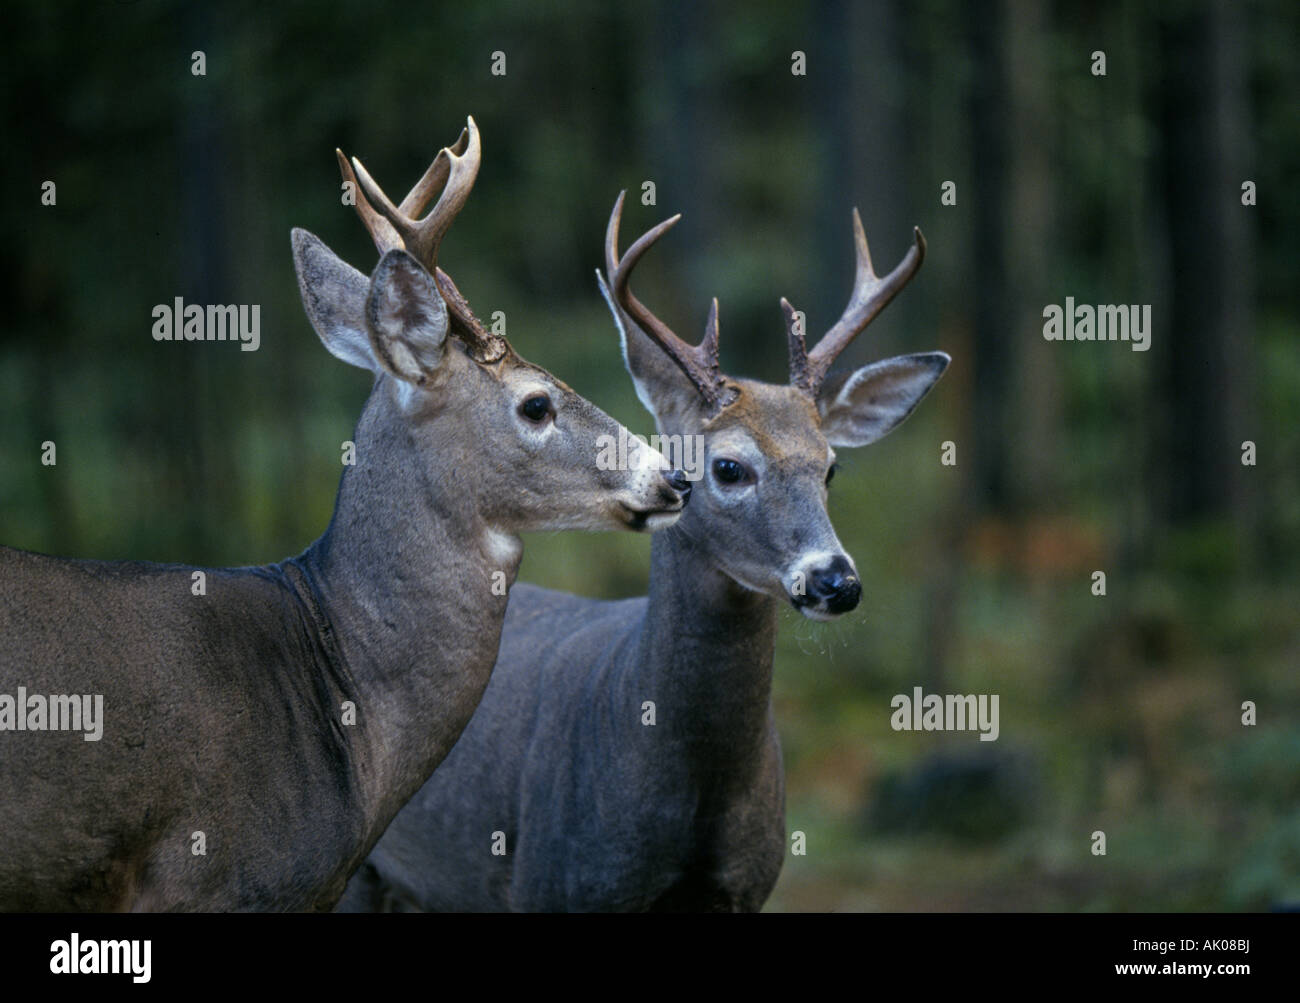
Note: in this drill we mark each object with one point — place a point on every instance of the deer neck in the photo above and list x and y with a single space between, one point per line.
709 645
404 577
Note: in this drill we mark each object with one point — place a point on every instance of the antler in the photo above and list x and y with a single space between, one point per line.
871 294
398 227
799 373
698 362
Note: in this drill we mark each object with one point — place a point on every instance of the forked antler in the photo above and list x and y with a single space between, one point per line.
871 294
698 362
399 227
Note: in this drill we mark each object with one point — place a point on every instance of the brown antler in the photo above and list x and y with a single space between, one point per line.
698 362
398 227
794 332
871 294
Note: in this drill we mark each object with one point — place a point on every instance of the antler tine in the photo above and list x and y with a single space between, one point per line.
800 375
396 228
453 171
611 235
698 362
871 294
434 180
708 350
381 231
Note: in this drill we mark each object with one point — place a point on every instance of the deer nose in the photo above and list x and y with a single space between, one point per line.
679 482
836 585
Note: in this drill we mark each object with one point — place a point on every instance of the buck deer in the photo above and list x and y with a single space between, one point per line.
230 775
601 809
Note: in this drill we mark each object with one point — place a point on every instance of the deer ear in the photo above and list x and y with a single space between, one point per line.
866 404
407 318
334 296
661 386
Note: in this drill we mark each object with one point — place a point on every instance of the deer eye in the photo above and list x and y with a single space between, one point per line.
730 471
830 474
536 408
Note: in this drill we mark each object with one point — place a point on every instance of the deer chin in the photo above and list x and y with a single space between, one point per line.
648 520
818 613
772 587
819 610
662 520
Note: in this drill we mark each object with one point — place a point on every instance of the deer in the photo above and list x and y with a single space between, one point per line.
257 739
625 755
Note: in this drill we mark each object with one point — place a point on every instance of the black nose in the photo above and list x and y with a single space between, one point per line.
678 481
837 585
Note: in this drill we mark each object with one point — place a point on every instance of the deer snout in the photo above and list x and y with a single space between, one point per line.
837 585
680 485
831 586
671 492
658 501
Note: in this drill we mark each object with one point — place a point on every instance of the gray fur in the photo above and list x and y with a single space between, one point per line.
223 713
600 811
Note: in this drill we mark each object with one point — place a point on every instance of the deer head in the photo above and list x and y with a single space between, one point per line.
455 399
760 514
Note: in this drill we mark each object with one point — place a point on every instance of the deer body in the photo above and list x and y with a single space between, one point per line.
604 808
230 775
602 812
234 730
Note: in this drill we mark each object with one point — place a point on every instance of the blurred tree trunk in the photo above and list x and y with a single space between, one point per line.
31 291
860 86
982 466
205 456
1203 346
1015 460
944 123
683 132
1034 448
993 361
